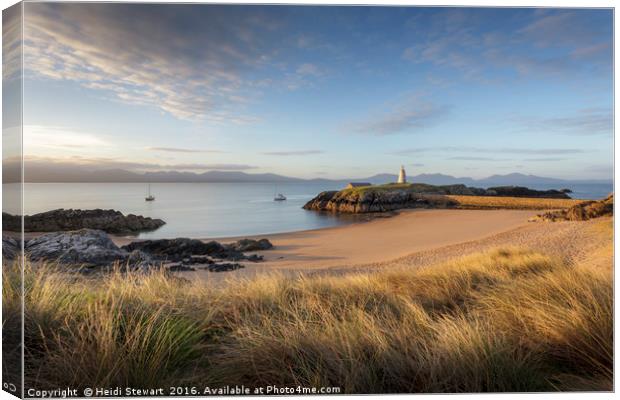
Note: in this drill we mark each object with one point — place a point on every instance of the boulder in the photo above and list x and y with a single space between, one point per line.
251 245
199 260
255 258
223 267
110 221
184 248
87 247
10 248
138 260
180 268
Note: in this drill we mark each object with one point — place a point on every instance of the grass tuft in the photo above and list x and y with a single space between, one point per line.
506 320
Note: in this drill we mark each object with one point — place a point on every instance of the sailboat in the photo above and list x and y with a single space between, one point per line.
278 197
150 197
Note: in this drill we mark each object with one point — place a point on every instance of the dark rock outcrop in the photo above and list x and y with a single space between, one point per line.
323 202
110 221
10 248
180 268
520 191
251 245
94 248
185 249
182 248
375 201
86 247
214 267
223 267
199 260
582 211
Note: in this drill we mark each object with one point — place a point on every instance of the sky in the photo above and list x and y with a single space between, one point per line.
327 92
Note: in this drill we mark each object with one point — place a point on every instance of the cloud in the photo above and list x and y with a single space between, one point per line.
416 165
468 158
567 28
293 153
305 75
304 41
181 150
58 137
145 55
486 150
309 69
548 44
103 163
411 116
589 51
545 159
592 121
12 43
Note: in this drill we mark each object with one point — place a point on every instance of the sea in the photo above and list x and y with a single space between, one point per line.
207 210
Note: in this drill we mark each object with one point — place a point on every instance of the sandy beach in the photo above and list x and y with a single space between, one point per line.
372 243
417 238
384 239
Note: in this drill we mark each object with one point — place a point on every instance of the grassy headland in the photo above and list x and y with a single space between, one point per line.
506 320
394 196
411 187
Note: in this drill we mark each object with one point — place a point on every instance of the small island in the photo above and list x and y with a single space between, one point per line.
394 196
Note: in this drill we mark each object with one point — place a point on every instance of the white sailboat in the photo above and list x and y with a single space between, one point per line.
279 196
150 197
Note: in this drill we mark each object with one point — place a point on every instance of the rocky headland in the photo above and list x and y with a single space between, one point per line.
390 197
110 221
90 248
581 212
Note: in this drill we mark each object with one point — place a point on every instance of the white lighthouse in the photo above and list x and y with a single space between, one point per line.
402 176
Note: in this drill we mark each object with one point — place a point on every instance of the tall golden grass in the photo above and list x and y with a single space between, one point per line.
519 203
507 320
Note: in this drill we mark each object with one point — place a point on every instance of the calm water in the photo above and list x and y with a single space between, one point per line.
191 209
591 191
205 209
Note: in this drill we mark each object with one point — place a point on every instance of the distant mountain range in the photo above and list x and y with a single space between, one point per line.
119 175
513 179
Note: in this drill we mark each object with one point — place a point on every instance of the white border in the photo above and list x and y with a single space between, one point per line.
478 3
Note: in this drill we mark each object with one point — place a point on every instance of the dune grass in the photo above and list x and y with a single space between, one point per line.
520 203
507 320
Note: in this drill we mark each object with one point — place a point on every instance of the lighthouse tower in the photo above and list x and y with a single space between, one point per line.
402 176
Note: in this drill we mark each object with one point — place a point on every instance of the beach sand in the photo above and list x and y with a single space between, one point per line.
373 243
387 238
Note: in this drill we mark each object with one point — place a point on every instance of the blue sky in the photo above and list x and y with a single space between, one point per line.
320 91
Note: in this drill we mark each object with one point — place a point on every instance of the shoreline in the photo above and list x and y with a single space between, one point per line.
385 239
381 238
369 219
410 238
380 241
